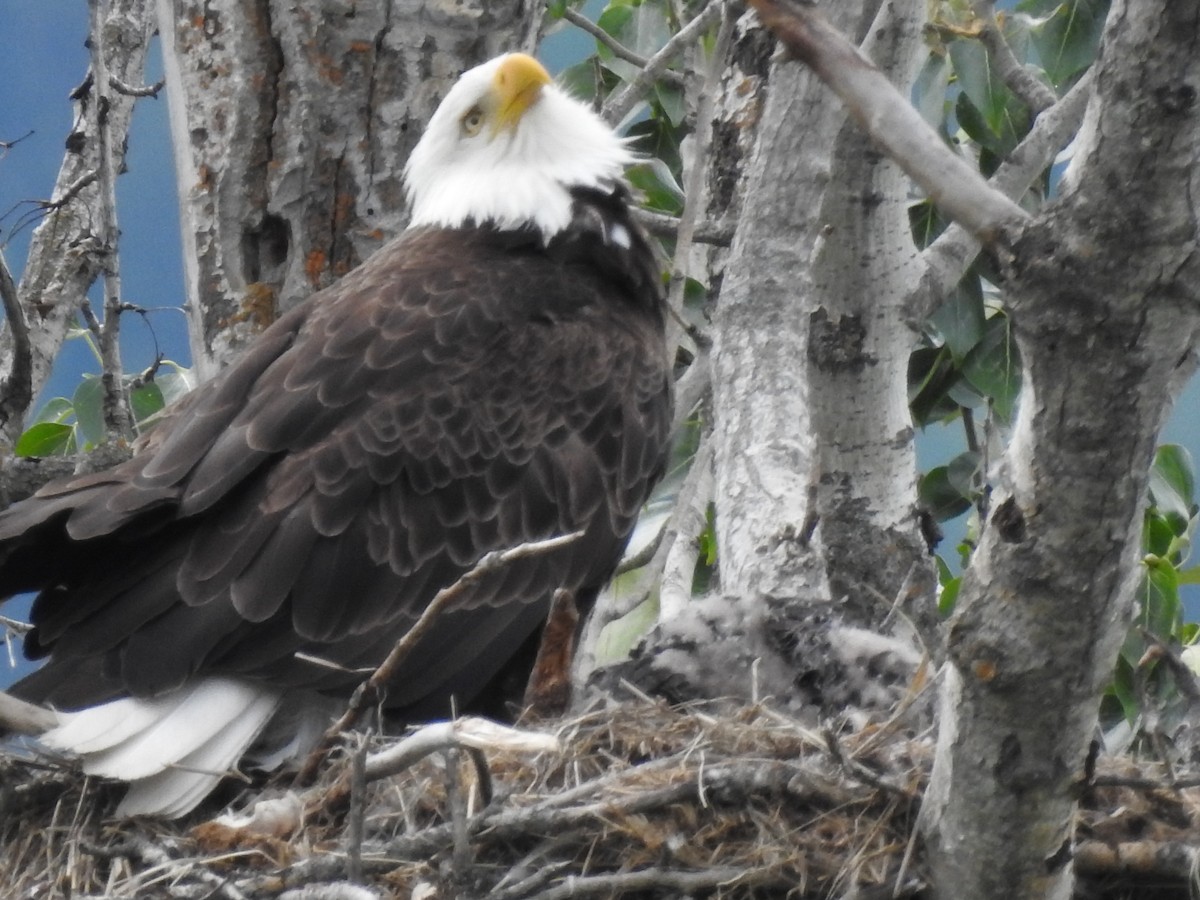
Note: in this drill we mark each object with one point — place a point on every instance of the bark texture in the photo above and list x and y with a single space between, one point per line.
66 253
292 123
815 474
1103 293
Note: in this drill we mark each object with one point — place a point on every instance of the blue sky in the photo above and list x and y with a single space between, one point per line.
42 58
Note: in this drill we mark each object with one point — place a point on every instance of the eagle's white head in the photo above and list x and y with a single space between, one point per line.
506 146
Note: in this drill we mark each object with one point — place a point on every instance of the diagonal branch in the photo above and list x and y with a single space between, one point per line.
950 255
374 687
617 106
891 122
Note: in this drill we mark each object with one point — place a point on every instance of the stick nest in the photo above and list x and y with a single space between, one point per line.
640 800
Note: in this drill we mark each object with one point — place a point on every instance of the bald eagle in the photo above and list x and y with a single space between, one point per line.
495 375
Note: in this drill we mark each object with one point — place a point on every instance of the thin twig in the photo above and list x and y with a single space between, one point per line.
672 881
131 90
619 50
19 717
617 106
663 225
373 688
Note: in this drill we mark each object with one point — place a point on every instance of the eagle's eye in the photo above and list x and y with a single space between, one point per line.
472 122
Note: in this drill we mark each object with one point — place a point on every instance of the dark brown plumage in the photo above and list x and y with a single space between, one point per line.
465 390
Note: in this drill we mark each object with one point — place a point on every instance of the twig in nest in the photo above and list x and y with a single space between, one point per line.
373 688
19 717
858 771
672 881
469 732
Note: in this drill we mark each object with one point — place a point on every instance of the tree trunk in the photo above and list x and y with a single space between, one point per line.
292 124
815 473
65 255
1103 292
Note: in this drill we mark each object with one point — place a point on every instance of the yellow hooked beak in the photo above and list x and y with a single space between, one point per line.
516 86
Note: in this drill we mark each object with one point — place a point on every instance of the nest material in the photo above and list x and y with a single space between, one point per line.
641 800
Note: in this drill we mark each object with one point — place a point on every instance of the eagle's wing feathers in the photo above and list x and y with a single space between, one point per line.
407 424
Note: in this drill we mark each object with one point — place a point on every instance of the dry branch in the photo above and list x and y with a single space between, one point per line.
371 690
19 717
639 798
892 123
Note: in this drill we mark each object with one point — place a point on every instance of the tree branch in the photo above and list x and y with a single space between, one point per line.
950 255
19 717
1029 89
617 106
116 410
891 122
16 390
618 49
375 686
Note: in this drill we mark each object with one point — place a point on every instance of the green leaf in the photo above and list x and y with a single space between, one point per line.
994 367
962 472
670 100
974 75
89 411
174 384
1161 605
929 91
931 375
950 585
56 410
961 320
1173 485
146 400
45 439
658 186
938 494
925 222
1067 40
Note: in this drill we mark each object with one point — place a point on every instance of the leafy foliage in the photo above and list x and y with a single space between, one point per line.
65 426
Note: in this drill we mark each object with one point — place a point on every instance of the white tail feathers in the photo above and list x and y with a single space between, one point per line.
172 749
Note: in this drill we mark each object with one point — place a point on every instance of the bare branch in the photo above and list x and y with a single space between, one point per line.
663 225
130 90
671 881
16 390
694 180
687 522
1029 89
374 687
949 256
19 717
617 106
891 122
618 49
469 732
116 411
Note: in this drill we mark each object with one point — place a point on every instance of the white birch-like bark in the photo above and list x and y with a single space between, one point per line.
815 474
66 255
292 123
1103 288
